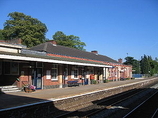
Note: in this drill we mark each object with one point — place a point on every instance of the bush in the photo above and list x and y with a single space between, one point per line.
106 81
132 78
94 82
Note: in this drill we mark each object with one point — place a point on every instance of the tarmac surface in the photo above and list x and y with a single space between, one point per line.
15 99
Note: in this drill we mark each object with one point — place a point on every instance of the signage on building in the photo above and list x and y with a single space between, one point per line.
32 52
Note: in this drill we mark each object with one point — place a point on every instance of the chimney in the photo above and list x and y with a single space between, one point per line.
53 42
14 41
120 60
94 51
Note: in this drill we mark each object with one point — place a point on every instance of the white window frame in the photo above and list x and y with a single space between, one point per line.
55 67
73 74
48 74
66 74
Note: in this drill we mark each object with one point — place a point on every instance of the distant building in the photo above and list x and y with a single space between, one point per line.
49 65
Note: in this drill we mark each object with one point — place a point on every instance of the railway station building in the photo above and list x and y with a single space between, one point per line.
50 65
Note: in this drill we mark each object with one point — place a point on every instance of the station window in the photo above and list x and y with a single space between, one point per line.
54 72
66 74
74 74
39 64
11 68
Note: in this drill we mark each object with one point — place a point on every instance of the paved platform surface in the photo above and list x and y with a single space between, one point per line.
15 99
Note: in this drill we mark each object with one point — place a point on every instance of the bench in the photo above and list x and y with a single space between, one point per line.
72 83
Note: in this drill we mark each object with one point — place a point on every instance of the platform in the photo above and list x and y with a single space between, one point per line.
16 99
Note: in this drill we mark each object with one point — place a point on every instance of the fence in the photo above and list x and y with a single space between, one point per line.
140 75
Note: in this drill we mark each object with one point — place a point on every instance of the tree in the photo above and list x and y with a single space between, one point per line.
30 30
1 35
69 41
129 60
145 65
153 66
148 65
156 59
135 64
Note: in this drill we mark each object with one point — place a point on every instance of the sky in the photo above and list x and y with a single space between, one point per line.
115 28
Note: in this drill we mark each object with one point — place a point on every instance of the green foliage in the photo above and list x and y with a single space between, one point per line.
105 81
93 81
148 65
30 30
69 41
145 66
1 35
135 64
129 60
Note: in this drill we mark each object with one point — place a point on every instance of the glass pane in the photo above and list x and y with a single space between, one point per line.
39 64
75 73
54 73
14 68
39 82
7 67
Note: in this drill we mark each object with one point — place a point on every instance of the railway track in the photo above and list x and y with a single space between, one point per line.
105 107
147 109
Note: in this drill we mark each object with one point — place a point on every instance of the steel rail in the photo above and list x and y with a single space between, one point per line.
97 111
103 101
153 116
139 105
119 101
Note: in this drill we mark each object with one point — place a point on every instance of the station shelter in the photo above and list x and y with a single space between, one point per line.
49 65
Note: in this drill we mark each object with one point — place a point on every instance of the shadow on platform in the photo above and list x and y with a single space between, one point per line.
16 106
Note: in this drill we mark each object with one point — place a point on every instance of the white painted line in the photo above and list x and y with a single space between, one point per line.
24 105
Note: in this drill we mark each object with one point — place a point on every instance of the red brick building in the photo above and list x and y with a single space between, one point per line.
49 65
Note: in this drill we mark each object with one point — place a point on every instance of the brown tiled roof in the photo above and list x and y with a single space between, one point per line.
51 57
72 52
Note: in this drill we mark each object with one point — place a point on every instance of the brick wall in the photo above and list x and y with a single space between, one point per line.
48 83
